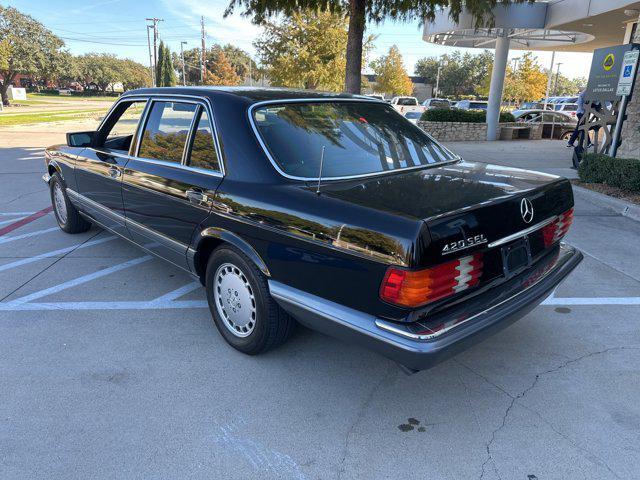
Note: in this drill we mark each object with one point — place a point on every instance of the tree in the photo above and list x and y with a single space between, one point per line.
306 50
133 74
241 62
165 73
391 76
460 74
359 11
100 70
567 86
238 58
29 46
220 71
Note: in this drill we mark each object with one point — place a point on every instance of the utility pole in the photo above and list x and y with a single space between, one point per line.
549 76
151 67
155 39
184 76
555 88
203 68
435 94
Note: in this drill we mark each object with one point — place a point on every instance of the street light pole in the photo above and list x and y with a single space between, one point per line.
184 76
549 76
438 80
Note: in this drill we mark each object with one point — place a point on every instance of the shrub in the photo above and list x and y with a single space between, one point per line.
623 173
466 116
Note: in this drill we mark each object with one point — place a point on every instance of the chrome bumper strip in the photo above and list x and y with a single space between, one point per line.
522 233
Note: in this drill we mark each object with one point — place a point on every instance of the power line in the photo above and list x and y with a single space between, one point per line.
103 43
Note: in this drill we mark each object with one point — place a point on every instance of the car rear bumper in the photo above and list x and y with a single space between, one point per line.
421 345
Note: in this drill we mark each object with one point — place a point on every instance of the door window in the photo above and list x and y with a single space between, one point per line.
121 126
166 131
203 150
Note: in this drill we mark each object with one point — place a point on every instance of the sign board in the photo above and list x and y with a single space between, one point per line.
606 68
627 72
14 93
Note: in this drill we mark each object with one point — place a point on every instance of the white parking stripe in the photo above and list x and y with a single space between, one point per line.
27 235
15 214
53 253
592 301
79 280
4 222
131 305
178 292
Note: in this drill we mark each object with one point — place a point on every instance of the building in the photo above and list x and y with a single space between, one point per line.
557 25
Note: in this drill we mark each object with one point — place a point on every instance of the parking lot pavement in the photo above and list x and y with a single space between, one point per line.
110 367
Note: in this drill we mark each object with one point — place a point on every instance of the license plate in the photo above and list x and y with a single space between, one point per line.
516 256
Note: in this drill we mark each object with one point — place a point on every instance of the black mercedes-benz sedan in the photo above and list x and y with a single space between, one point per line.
330 210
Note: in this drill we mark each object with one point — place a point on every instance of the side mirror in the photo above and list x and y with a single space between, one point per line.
80 139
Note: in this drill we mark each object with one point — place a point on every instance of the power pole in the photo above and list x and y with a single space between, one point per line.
435 94
155 39
151 67
549 77
203 68
184 76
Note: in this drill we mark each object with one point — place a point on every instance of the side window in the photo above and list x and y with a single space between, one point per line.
165 133
121 126
203 150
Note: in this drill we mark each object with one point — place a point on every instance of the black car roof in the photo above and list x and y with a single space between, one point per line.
249 95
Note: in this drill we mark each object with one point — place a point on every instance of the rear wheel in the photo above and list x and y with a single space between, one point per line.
241 306
68 218
566 136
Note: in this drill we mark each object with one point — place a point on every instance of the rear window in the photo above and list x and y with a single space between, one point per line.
413 115
477 106
407 101
357 138
439 103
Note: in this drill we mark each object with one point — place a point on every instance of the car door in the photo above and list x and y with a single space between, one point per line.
99 167
170 182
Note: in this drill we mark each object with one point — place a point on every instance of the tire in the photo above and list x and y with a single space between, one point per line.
242 308
68 218
566 136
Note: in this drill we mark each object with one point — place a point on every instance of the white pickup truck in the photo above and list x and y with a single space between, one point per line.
406 104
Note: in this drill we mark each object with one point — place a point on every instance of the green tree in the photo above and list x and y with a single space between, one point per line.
5 51
30 48
359 11
100 70
391 76
567 86
165 73
460 74
133 74
306 50
220 71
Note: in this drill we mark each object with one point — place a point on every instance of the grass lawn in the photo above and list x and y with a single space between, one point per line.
55 116
44 97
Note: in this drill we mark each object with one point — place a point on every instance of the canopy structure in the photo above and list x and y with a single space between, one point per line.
560 25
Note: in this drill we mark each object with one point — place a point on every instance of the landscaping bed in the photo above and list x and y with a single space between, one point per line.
616 177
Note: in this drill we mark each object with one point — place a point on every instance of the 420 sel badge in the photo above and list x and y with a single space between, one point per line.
329 210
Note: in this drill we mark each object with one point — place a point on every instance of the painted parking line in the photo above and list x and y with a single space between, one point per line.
54 253
592 301
27 235
24 221
15 214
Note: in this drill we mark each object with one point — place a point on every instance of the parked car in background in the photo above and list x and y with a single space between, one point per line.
471 105
377 96
406 104
556 125
327 209
431 103
413 117
533 106
568 108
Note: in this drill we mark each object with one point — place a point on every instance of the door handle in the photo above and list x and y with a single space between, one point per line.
196 196
114 172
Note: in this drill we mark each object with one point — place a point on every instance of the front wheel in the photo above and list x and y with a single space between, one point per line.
566 136
68 218
241 305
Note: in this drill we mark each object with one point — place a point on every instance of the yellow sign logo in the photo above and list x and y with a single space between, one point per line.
608 62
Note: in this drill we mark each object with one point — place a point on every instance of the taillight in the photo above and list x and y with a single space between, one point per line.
557 229
414 288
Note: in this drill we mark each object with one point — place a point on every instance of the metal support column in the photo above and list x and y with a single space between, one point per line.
497 85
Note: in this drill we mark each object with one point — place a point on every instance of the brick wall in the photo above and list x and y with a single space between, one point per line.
467 132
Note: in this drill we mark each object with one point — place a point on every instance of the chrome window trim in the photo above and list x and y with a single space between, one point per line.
522 233
122 99
266 151
175 97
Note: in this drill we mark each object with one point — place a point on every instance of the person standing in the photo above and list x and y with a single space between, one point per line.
579 114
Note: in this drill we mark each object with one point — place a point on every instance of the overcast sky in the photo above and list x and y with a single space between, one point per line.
118 26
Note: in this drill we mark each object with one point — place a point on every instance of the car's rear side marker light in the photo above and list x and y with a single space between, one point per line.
414 288
557 229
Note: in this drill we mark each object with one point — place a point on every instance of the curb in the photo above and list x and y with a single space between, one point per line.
621 207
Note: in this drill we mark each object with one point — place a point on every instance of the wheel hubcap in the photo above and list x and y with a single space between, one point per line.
60 204
234 300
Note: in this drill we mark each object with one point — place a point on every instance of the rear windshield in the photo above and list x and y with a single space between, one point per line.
413 115
407 101
357 138
439 103
477 106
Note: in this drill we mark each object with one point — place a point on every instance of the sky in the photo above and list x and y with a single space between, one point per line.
118 27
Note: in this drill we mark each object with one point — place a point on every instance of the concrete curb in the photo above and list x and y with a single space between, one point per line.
622 207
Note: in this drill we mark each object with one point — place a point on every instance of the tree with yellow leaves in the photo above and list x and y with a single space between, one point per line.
220 71
391 76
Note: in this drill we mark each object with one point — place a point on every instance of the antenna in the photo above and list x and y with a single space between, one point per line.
320 173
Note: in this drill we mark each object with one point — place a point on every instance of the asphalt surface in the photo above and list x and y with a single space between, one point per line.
110 367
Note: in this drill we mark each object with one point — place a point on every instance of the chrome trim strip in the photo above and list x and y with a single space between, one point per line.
87 202
522 233
346 177
389 327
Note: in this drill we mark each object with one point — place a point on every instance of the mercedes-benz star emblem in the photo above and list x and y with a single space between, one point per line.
526 210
